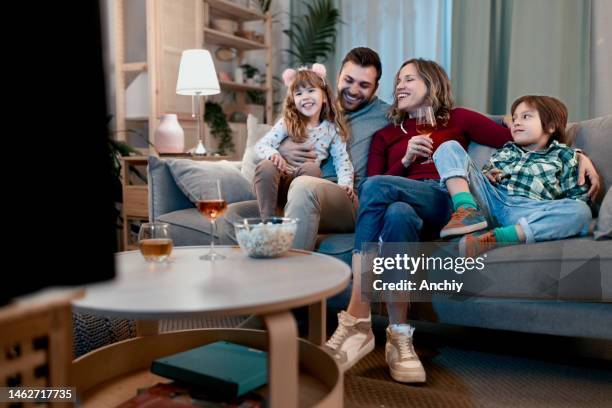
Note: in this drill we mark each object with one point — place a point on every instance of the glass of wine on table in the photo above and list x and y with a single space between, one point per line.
212 205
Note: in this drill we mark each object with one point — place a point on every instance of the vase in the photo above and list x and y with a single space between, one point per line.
169 135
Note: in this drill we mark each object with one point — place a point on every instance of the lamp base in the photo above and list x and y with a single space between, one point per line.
200 149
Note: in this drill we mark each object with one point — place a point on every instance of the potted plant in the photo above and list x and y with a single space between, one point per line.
312 36
219 127
251 73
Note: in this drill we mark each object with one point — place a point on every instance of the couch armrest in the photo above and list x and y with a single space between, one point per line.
164 195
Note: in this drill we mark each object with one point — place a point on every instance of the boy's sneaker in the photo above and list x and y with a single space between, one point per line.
403 361
472 245
351 341
463 221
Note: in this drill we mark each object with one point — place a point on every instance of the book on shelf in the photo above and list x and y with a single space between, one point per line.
221 370
172 395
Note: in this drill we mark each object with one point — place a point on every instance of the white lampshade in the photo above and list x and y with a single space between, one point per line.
197 75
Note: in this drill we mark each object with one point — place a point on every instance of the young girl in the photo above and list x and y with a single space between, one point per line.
528 189
309 116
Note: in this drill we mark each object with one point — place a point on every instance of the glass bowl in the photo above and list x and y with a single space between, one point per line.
265 238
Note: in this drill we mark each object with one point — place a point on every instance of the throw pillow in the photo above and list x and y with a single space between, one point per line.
189 173
594 137
603 229
255 131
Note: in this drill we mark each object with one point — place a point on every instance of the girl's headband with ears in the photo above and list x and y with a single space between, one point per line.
290 73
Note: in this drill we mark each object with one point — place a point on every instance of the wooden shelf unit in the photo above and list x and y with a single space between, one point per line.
228 10
220 38
233 86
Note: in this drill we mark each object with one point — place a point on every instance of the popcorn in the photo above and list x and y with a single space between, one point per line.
265 240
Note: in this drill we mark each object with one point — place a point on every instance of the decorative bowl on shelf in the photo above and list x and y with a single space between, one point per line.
265 238
224 24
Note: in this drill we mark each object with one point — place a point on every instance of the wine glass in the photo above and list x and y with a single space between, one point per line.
211 205
425 125
154 241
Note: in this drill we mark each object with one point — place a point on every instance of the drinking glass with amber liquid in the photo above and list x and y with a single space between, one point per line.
154 241
425 125
211 205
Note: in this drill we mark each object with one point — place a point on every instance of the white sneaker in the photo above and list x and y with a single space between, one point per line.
403 361
351 341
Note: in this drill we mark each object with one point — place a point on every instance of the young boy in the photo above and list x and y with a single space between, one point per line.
528 189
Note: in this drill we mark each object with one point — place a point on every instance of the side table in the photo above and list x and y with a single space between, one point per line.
187 287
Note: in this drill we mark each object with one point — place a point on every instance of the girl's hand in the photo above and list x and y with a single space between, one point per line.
349 192
279 162
420 145
494 175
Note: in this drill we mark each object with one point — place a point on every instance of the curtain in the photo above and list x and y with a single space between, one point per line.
396 29
503 49
601 59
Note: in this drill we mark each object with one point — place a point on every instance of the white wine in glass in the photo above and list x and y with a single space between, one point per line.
425 125
211 205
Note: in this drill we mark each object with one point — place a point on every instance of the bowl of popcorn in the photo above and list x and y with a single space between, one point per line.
267 237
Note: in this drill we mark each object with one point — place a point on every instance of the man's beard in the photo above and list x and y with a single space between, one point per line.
361 102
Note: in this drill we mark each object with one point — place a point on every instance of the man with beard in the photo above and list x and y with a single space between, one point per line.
319 203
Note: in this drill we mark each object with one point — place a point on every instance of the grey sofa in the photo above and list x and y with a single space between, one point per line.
526 299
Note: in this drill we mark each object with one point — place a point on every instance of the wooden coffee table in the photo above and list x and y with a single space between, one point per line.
188 287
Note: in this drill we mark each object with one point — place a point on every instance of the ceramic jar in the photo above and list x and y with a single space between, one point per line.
169 135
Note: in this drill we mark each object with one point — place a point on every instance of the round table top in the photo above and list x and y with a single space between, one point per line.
187 286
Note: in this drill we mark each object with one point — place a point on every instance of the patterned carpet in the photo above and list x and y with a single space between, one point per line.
463 378
480 369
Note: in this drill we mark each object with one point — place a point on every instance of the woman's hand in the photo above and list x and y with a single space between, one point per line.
507 120
587 169
279 162
494 175
420 145
349 192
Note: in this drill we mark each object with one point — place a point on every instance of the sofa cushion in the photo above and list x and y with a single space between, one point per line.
255 131
595 138
189 227
603 228
189 173
570 269
164 195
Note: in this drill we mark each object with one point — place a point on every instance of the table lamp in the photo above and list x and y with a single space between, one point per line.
196 77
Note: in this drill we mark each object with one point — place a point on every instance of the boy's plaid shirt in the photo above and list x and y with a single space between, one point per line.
549 174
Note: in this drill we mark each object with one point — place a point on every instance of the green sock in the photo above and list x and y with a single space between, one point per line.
506 235
463 199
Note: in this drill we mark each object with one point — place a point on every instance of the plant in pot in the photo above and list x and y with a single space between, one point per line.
118 149
251 73
312 36
219 127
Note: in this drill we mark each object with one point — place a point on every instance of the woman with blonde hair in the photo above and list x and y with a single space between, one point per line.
402 201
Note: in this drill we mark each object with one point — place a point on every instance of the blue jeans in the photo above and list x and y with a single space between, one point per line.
540 220
397 209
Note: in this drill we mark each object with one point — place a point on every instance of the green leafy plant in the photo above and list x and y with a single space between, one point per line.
313 35
217 121
249 70
118 149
